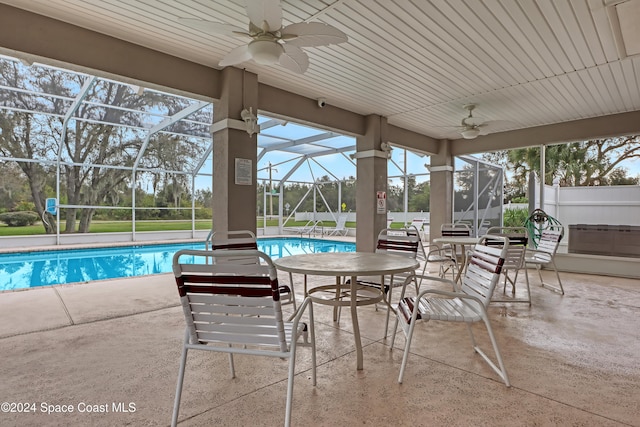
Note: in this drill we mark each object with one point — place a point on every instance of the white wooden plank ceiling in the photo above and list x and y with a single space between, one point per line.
525 63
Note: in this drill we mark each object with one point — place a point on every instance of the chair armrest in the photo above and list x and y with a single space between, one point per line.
431 278
450 294
297 315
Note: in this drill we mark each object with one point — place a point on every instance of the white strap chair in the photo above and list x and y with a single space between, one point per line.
518 240
466 303
544 254
401 242
234 240
341 227
235 309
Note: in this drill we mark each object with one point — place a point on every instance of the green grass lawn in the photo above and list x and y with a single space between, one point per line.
111 227
159 225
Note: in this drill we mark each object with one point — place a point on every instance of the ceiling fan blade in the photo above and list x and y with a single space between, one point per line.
312 34
261 11
493 126
236 56
214 27
472 121
294 59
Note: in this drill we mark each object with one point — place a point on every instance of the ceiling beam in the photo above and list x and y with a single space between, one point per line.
577 130
302 141
48 38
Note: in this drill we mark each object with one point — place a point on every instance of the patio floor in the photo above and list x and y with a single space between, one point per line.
114 345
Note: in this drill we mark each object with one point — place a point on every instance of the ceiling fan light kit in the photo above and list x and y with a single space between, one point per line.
470 133
271 43
265 52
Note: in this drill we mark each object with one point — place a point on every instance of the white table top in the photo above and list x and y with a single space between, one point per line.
346 264
457 240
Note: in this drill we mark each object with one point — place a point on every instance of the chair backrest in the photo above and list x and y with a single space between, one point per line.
549 241
457 229
398 242
419 223
226 303
518 240
235 240
484 265
341 222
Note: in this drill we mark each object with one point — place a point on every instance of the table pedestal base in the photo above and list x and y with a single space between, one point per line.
340 295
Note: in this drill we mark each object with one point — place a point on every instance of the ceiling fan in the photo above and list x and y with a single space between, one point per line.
471 126
269 42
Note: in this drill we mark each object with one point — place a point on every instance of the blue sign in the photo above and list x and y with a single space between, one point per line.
52 206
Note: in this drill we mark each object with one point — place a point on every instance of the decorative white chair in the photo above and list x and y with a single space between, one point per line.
466 303
543 256
430 254
243 240
235 309
458 229
420 224
455 229
400 242
518 240
341 227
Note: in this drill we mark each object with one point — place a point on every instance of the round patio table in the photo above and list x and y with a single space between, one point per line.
351 264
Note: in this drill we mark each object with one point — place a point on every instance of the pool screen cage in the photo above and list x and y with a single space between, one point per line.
478 194
79 149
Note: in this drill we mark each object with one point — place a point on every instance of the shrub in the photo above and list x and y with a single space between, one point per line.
19 219
515 217
23 206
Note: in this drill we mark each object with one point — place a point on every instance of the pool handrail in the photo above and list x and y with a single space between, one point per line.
310 227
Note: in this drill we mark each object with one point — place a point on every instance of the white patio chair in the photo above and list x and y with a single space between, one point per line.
420 224
543 256
235 309
341 227
399 242
243 240
518 240
430 254
466 303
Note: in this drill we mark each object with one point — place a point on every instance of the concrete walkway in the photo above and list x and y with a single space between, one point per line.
106 354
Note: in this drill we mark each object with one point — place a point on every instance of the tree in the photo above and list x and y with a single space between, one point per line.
14 186
587 163
93 144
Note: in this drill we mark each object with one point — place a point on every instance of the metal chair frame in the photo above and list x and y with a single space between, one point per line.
544 254
235 309
467 302
518 240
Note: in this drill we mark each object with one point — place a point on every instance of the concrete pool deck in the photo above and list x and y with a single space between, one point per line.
572 360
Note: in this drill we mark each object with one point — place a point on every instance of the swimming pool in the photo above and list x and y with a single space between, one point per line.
44 268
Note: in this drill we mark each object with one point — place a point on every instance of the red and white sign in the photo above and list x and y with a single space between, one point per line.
381 202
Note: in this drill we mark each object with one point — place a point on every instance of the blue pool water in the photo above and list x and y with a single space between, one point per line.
44 268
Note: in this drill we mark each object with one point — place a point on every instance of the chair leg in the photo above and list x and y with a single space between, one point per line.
183 363
501 371
292 369
559 289
232 366
526 276
407 346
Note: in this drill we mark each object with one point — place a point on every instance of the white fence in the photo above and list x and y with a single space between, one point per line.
613 205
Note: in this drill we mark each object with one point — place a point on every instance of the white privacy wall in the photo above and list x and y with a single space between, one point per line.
614 205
